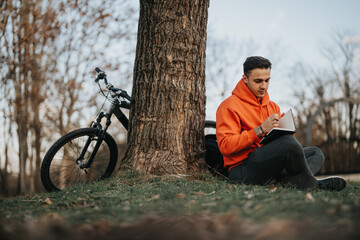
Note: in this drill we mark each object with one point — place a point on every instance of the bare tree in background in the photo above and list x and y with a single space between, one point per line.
27 30
48 49
90 32
345 62
337 128
167 120
223 64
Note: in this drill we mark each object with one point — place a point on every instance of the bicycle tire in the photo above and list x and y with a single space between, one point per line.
210 127
210 124
59 169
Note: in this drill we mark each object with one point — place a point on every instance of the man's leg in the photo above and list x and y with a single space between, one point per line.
267 162
314 158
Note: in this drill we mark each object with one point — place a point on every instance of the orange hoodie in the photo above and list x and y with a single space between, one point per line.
236 119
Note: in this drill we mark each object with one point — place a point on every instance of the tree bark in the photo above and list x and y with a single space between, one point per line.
167 121
22 95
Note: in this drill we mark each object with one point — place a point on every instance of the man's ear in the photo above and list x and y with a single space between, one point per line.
245 79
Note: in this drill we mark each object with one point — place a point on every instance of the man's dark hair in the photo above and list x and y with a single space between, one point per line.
256 62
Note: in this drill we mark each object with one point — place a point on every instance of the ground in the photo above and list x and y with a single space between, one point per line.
135 206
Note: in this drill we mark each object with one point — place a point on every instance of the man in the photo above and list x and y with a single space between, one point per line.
241 122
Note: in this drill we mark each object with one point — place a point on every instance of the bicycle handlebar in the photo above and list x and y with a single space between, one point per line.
120 92
117 91
101 75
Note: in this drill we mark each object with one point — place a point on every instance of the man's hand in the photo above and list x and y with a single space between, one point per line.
270 123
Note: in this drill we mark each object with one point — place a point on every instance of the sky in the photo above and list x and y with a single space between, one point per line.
301 28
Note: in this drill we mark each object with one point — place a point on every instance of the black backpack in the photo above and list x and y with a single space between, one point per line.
214 158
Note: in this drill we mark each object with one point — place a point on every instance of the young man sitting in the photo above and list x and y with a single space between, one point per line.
241 122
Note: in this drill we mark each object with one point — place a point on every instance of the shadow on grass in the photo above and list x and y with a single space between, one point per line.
203 226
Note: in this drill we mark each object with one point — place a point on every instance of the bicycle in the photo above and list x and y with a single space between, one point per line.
89 154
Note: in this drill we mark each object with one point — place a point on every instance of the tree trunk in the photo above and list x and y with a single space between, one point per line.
37 126
22 96
167 121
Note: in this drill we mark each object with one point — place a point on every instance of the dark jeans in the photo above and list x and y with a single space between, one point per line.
279 159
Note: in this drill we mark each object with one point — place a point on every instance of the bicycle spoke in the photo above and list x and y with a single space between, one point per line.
63 168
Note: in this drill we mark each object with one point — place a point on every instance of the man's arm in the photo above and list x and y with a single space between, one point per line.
228 133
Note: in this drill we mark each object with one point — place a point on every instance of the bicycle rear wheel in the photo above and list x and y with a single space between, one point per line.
61 169
210 127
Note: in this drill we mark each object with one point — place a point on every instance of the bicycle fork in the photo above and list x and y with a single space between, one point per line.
100 139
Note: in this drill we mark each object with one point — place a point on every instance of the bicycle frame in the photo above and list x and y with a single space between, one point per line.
115 109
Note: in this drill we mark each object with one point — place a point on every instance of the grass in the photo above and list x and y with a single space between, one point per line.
129 196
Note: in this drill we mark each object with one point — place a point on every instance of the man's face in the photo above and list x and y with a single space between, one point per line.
258 81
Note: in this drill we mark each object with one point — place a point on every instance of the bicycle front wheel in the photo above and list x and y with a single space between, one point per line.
62 167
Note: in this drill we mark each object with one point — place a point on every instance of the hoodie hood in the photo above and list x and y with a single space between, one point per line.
244 93
236 119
